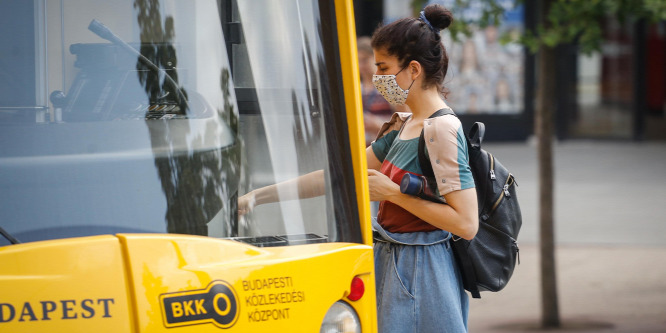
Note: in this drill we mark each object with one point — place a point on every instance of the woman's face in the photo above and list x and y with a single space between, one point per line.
389 65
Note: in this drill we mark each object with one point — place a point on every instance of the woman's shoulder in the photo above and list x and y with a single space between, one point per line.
446 122
441 130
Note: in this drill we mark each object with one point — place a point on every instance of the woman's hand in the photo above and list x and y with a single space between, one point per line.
246 203
381 186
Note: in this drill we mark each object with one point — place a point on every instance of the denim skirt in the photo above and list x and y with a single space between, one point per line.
419 288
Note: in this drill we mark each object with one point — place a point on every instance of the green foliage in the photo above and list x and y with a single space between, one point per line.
568 21
417 6
491 15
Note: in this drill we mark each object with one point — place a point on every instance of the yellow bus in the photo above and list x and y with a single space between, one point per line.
129 130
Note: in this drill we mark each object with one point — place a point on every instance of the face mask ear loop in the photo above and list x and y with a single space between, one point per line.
410 86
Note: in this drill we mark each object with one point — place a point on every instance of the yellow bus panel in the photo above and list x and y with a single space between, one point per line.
156 282
200 284
68 285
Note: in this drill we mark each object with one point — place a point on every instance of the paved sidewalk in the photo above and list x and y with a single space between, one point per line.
601 289
610 213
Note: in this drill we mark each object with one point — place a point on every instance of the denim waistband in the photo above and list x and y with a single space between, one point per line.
409 238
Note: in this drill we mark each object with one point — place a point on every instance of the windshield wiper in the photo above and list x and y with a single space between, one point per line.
9 237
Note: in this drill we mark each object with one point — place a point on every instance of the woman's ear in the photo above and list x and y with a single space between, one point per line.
415 69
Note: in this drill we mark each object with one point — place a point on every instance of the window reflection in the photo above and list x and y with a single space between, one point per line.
286 138
605 86
139 133
486 76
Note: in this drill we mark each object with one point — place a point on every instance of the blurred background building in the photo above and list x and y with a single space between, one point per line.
617 93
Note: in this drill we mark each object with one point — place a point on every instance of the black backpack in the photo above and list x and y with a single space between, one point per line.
487 261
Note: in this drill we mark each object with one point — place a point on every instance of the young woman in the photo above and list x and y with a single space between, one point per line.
419 288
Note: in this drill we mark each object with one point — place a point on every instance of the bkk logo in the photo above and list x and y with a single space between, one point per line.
216 304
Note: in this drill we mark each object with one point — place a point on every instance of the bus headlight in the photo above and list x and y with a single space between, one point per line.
341 318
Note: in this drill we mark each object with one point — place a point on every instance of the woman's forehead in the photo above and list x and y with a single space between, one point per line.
381 56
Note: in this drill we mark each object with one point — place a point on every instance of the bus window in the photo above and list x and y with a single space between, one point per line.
119 116
287 103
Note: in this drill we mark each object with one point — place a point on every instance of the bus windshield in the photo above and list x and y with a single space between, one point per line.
154 116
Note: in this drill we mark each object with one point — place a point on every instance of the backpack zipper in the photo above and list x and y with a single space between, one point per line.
517 251
505 193
492 166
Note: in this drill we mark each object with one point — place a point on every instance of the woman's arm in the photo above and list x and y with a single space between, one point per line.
459 216
373 161
306 186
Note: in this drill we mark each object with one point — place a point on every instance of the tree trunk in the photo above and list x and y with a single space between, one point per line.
544 130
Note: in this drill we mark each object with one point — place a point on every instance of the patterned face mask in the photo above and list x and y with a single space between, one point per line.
389 88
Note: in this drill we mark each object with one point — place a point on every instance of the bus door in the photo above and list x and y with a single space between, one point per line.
299 112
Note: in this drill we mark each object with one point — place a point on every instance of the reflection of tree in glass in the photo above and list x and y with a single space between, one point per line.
156 45
198 185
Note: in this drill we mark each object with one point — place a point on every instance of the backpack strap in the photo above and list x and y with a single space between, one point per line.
476 133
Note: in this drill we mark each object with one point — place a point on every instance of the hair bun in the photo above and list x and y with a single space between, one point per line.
439 17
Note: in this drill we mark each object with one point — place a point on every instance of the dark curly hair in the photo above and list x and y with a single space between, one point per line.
414 39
